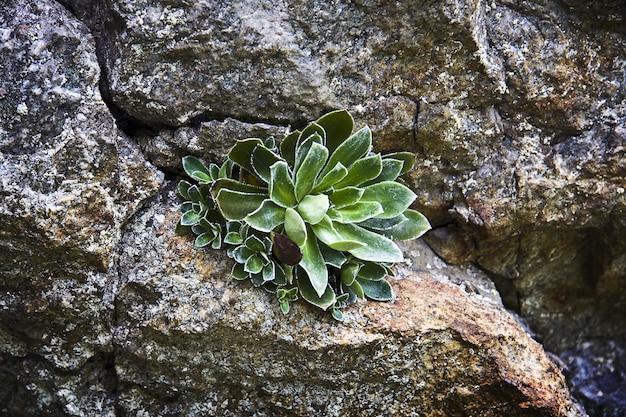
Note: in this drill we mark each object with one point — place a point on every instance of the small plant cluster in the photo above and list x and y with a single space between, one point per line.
314 216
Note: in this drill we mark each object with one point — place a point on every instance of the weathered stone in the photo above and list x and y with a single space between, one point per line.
191 340
69 181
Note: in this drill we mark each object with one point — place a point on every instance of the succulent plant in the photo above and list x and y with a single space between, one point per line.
315 216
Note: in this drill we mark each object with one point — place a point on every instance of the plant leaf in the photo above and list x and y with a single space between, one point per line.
329 179
409 225
346 197
391 170
376 290
183 187
332 257
281 187
350 151
392 196
295 227
234 185
372 271
266 217
356 213
196 169
288 147
361 171
236 205
242 151
309 293
407 158
313 207
204 239
189 218
338 126
308 170
376 248
310 130
262 159
313 264
326 233
254 264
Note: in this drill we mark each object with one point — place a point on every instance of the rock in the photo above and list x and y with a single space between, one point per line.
69 181
193 341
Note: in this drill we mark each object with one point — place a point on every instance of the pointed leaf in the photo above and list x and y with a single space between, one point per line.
356 213
361 171
376 290
295 227
288 147
313 207
308 170
376 248
392 196
242 151
266 217
325 232
309 293
238 272
190 218
196 169
311 129
346 197
324 183
338 126
253 265
332 257
303 147
313 263
391 170
281 187
262 159
236 205
350 151
204 239
233 238
407 158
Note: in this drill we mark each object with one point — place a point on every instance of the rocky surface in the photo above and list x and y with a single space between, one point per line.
516 111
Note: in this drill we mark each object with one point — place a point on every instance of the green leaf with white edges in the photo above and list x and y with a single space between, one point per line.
326 182
407 158
190 218
392 196
309 293
313 263
254 264
281 186
376 290
356 213
236 205
391 170
266 217
261 160
361 171
338 126
312 208
346 197
241 152
295 228
196 169
350 151
308 170
325 232
376 248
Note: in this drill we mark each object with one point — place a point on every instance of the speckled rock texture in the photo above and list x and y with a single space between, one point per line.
515 109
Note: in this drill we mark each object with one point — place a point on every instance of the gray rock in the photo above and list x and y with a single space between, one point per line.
69 181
